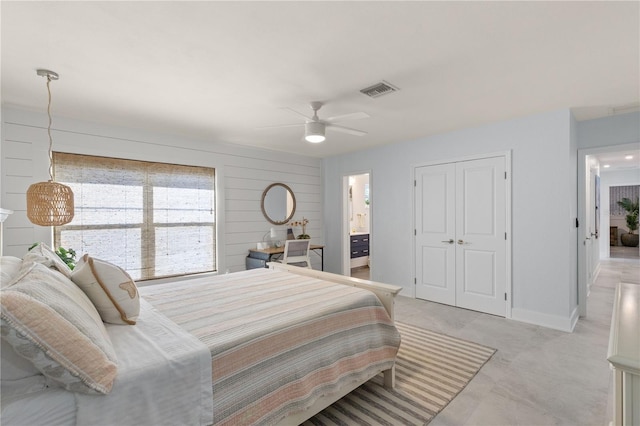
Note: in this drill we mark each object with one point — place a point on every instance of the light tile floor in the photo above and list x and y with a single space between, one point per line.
362 272
538 376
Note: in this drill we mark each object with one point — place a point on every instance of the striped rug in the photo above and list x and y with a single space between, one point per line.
431 369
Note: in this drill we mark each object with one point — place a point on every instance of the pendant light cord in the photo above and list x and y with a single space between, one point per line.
49 130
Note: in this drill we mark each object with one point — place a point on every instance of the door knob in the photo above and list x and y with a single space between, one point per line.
450 241
460 242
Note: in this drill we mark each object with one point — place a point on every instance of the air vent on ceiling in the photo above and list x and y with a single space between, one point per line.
379 89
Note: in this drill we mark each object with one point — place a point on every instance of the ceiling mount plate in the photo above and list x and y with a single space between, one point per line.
47 73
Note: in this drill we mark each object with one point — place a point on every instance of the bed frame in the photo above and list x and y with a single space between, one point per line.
385 292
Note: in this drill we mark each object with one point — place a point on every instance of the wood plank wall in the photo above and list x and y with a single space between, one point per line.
242 174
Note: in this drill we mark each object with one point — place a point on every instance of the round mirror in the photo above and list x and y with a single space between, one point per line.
278 203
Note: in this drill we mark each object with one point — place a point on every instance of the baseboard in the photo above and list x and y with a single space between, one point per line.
360 261
596 272
575 315
546 320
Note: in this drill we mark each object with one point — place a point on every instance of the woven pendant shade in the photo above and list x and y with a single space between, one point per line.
49 204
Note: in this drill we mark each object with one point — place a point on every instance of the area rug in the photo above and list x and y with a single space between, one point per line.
431 369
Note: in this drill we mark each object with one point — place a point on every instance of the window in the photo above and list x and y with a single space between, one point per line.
151 219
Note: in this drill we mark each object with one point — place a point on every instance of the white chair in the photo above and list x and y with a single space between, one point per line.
296 252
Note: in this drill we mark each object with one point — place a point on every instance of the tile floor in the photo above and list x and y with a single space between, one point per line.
624 252
538 376
362 272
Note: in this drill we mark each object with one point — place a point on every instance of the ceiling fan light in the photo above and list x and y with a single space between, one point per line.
314 132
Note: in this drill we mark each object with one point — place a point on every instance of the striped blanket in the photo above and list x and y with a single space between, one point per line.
278 340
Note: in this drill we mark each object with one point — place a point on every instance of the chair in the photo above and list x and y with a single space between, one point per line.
296 252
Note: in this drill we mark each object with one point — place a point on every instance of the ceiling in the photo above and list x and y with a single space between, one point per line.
220 70
619 160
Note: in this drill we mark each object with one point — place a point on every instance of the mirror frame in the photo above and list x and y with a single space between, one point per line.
293 210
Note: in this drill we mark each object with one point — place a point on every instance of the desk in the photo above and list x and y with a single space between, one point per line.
268 253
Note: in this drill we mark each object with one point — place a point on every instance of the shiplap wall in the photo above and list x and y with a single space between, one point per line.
242 174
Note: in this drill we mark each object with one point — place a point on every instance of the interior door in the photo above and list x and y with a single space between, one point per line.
460 236
481 235
435 232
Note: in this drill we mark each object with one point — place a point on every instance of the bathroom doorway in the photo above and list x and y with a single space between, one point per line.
357 223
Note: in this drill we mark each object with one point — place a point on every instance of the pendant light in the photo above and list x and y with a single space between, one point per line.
49 203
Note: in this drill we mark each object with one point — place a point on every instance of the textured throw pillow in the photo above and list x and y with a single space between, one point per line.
110 288
9 267
48 320
46 256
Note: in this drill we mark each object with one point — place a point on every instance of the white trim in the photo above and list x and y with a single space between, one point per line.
546 320
509 243
344 227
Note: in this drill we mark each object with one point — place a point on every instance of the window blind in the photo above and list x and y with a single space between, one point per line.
151 219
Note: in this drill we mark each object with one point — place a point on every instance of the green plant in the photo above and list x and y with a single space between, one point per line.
303 223
68 256
632 213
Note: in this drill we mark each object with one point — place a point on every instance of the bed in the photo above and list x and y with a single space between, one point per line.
264 346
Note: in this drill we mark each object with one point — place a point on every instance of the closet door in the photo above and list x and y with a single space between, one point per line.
460 240
480 235
435 232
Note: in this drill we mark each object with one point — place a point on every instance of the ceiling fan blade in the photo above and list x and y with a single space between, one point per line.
350 116
279 126
346 130
299 113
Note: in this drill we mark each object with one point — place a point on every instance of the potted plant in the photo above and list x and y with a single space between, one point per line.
303 223
68 256
630 239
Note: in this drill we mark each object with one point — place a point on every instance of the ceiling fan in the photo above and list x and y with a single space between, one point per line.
314 127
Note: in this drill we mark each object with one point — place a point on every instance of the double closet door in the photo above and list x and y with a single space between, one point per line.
460 237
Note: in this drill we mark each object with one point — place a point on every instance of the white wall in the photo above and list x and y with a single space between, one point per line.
609 131
242 173
542 204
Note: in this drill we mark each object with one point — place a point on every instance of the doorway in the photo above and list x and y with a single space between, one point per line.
461 240
621 243
623 171
357 224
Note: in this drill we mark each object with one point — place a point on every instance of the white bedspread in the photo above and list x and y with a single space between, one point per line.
164 377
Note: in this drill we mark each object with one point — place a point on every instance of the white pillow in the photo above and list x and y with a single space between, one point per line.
110 288
44 255
48 320
15 367
9 267
23 386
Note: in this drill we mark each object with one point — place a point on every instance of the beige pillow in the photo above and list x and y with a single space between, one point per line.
48 320
46 256
110 288
9 267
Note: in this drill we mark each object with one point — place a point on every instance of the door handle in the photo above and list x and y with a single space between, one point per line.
450 241
461 242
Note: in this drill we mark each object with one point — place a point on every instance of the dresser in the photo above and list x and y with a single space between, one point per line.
359 250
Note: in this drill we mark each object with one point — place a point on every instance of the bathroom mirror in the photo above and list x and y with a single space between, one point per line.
278 203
